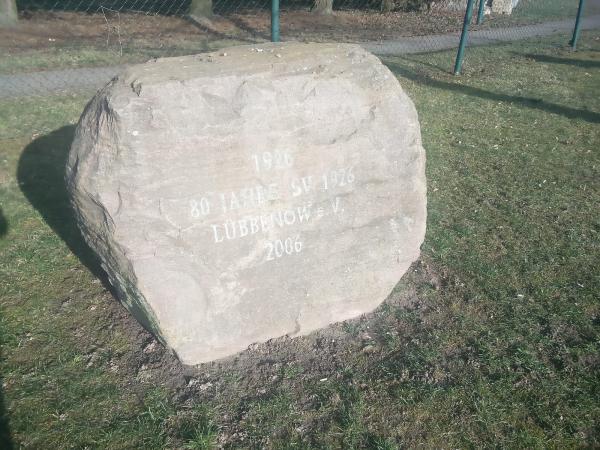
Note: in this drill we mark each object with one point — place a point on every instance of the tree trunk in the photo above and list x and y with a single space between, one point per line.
323 7
387 5
8 12
200 8
503 6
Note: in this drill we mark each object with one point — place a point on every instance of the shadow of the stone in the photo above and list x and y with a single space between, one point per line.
3 224
41 175
5 436
6 441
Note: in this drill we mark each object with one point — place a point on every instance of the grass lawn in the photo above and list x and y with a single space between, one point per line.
499 346
70 57
546 9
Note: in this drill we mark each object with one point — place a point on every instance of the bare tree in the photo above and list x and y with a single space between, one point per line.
387 5
201 8
323 7
8 12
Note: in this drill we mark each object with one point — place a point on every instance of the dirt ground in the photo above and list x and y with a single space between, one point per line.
232 385
39 30
356 25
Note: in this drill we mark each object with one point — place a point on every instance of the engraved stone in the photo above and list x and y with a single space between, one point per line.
252 193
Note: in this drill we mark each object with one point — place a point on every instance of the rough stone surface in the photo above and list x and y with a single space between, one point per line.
251 193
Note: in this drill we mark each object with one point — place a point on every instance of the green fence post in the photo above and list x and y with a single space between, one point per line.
577 29
274 20
464 37
480 12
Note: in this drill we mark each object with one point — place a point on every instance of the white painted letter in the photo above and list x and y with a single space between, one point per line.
218 238
243 227
304 212
335 205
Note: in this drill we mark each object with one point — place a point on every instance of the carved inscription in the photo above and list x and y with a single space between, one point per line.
257 210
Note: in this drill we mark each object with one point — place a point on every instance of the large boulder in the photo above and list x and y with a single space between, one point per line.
255 192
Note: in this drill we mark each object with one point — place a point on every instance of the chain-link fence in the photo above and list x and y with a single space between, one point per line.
314 20
69 45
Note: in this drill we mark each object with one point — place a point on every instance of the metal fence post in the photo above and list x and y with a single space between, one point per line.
464 37
274 20
480 12
577 29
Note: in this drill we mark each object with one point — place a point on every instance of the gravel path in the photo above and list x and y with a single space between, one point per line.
73 80
56 81
422 44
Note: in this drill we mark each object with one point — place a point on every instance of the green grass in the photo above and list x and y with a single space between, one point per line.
58 57
536 11
71 57
545 9
31 117
502 349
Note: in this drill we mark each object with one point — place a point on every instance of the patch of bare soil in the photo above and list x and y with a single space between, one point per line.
230 387
353 25
39 30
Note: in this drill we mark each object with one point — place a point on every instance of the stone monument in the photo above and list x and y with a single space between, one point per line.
260 191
